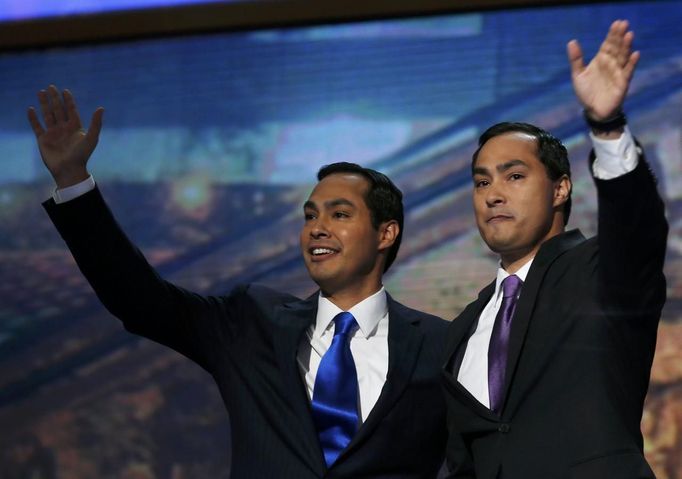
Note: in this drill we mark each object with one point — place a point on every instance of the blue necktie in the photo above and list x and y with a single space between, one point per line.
499 341
335 397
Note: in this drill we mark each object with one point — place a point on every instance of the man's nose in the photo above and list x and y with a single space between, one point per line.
494 196
319 228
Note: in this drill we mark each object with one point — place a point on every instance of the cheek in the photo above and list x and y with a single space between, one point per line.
536 211
357 242
348 235
479 210
541 197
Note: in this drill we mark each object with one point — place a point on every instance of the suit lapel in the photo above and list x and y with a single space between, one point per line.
292 320
549 252
404 343
461 329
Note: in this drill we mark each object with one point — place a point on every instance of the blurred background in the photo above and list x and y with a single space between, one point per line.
218 116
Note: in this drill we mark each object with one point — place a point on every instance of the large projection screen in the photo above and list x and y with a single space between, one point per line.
210 146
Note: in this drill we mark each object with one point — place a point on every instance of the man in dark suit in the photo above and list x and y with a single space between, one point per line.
312 391
547 370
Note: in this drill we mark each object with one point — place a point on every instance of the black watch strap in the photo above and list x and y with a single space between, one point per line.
615 122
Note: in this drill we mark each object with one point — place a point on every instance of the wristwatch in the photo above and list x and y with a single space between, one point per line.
605 126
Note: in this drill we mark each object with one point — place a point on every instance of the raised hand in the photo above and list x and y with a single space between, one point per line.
601 86
64 145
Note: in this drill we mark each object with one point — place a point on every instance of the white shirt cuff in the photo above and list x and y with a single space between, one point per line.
74 191
614 157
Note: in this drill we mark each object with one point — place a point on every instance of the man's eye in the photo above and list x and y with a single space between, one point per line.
481 183
515 176
341 214
308 216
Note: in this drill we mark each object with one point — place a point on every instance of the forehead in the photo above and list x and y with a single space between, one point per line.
340 185
506 147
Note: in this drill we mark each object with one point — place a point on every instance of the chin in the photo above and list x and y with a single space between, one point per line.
500 245
322 279
495 242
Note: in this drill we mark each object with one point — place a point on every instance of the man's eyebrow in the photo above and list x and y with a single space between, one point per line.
480 170
339 202
510 164
309 205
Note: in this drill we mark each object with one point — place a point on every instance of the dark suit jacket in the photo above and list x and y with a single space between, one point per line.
248 341
581 347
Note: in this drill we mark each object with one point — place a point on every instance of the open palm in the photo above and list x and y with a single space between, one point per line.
601 86
65 146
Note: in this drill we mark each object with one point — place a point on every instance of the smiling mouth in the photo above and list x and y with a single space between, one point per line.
321 253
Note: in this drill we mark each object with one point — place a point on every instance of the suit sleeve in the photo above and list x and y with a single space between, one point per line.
132 290
632 244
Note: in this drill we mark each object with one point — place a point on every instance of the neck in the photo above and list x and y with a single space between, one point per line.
346 299
511 263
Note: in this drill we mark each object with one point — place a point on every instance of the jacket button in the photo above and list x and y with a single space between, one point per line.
504 428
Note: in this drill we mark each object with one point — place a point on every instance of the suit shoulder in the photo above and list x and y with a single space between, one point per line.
581 254
262 294
428 322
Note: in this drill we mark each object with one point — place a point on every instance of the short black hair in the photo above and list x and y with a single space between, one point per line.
551 151
383 199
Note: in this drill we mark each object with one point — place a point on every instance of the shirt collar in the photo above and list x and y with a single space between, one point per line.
368 313
502 274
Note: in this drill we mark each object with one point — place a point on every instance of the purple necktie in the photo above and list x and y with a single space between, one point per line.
499 341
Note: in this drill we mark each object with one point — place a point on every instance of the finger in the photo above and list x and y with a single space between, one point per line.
630 66
56 103
71 109
35 122
92 136
625 48
575 57
624 25
44 102
619 42
617 30
607 43
614 38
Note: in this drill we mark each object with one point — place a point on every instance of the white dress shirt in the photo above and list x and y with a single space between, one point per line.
369 346
613 158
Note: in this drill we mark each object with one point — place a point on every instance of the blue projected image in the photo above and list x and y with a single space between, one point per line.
209 147
13 10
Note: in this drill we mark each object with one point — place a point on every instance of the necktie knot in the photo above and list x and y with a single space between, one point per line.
510 286
344 324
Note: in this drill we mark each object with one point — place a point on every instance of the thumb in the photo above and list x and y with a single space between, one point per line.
92 136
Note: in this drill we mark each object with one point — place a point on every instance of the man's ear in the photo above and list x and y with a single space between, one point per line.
562 190
388 233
